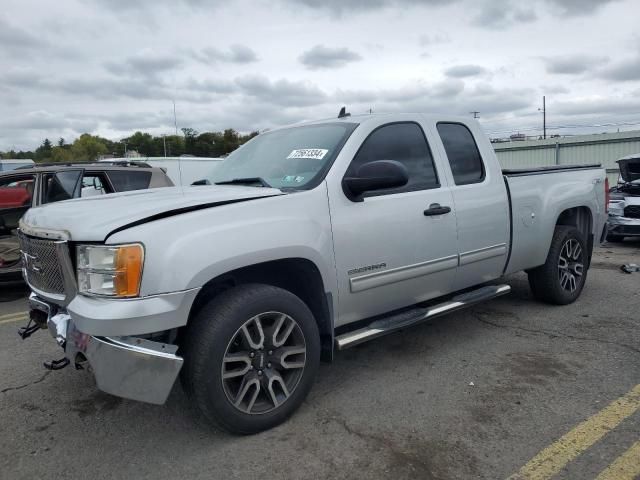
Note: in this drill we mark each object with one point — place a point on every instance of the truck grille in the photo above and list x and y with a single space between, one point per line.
41 264
632 211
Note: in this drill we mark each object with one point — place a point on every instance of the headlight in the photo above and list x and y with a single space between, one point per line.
110 270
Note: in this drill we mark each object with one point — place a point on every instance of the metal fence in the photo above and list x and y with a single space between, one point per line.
603 148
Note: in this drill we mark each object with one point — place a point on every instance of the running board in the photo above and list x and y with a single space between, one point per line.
418 315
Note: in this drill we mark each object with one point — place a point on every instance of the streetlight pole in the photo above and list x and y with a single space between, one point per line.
164 143
544 117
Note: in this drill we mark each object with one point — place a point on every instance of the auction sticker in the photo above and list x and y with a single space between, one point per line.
316 153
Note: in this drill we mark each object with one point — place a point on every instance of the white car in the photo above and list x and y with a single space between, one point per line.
624 201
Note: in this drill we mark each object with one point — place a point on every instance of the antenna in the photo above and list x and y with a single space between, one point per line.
343 113
175 120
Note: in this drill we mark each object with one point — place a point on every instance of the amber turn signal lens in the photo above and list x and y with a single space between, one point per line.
128 272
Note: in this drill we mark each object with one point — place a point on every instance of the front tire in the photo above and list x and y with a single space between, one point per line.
562 277
251 356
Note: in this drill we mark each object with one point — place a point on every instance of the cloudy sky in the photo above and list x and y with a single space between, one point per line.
112 67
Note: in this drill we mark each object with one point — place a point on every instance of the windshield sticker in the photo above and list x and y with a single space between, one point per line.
293 178
315 153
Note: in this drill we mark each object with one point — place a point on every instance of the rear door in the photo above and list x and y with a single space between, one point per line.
389 253
481 202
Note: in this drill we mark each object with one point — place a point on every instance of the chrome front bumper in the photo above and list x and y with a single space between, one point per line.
126 366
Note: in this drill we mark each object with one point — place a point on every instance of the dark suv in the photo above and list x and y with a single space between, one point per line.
28 187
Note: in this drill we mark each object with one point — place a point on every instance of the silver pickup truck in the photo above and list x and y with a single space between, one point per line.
308 239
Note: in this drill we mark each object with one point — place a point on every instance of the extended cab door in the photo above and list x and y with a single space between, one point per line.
391 251
480 199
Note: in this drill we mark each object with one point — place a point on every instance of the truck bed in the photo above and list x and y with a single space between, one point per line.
538 196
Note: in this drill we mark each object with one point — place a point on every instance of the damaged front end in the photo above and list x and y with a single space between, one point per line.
624 201
127 366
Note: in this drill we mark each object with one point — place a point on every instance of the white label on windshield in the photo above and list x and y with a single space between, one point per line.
316 153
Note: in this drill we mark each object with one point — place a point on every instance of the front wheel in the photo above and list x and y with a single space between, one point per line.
562 277
251 355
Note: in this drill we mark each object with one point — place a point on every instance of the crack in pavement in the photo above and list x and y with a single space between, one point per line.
20 387
401 456
554 334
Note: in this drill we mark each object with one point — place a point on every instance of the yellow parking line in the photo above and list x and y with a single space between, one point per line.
13 317
553 458
625 467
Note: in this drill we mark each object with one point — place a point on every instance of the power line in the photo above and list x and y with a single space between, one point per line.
561 127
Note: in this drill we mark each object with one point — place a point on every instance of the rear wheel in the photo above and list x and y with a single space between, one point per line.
561 279
251 355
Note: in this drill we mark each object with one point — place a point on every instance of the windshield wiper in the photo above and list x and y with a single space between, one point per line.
245 181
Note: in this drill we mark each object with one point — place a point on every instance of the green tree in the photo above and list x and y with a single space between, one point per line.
43 152
189 140
61 155
88 148
142 143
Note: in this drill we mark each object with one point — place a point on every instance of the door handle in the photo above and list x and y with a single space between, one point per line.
436 209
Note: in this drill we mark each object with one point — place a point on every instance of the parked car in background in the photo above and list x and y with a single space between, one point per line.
12 164
24 188
624 201
310 238
181 170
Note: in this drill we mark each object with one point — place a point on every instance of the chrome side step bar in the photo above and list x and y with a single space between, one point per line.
412 317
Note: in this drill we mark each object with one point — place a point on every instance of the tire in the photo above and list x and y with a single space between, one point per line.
562 277
240 379
611 238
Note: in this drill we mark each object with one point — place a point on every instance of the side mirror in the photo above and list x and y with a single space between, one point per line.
376 175
203 181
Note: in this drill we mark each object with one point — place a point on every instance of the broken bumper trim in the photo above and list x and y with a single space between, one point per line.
128 367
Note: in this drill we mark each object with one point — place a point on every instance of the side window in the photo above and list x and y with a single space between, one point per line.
123 181
94 184
462 151
405 143
62 185
16 191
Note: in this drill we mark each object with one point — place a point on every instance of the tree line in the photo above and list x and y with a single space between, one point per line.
90 147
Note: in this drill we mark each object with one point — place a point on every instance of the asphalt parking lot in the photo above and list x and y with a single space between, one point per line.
511 387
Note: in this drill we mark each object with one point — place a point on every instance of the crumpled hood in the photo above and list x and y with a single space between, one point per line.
94 218
630 168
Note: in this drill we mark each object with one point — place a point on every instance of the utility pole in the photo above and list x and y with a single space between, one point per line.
544 117
475 114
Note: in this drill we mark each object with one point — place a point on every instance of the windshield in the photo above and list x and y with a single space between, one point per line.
296 157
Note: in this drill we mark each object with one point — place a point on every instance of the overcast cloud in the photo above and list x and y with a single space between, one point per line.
319 57
111 67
